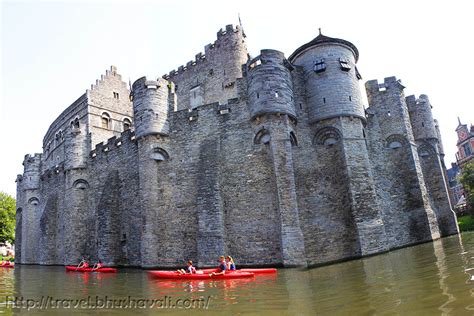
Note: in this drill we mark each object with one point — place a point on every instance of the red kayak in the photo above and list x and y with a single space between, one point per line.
9 265
198 276
254 271
102 270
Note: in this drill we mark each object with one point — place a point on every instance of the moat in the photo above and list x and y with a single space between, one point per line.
431 279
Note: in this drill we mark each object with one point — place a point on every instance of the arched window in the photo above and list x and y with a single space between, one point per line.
33 201
327 136
159 154
395 141
262 136
80 184
76 123
127 124
105 120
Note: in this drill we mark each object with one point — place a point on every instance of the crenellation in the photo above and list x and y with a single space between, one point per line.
150 175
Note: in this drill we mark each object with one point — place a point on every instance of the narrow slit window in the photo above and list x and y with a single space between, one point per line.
116 95
358 75
345 65
324 100
350 98
319 66
277 94
258 95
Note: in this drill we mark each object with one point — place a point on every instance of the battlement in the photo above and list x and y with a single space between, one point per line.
414 103
52 171
373 86
112 144
32 160
144 83
389 83
209 50
193 115
269 56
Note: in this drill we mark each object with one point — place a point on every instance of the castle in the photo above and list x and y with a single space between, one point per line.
272 160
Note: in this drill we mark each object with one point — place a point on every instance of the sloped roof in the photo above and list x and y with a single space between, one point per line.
322 39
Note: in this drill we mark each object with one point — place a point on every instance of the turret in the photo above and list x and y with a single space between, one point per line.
270 89
75 147
150 107
32 172
440 141
421 117
387 102
332 85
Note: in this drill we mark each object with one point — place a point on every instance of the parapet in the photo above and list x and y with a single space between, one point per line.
32 161
104 148
413 103
32 170
390 83
270 86
421 117
209 50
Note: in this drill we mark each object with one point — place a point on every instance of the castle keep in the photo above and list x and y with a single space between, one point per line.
272 160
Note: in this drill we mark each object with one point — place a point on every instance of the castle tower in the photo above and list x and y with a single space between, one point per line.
335 106
440 142
212 76
401 181
271 103
332 85
30 200
151 100
427 137
77 193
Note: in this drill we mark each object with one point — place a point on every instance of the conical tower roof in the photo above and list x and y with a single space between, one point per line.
322 39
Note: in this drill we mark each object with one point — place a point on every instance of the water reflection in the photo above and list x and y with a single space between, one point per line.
432 278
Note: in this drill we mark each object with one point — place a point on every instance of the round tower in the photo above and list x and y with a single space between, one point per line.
332 85
150 107
270 88
75 147
440 141
421 118
32 172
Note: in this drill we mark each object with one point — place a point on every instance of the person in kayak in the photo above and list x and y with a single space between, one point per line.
230 263
98 265
83 264
222 267
189 269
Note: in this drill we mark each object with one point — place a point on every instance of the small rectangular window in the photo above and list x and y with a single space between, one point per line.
277 94
319 66
345 65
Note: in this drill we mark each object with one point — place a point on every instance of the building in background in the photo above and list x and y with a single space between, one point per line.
465 144
455 187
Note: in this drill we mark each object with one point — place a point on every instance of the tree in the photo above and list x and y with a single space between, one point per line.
7 218
467 180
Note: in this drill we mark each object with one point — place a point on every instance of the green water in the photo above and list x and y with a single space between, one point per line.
428 279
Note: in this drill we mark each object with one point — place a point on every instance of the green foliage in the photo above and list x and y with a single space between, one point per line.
466 223
467 180
7 218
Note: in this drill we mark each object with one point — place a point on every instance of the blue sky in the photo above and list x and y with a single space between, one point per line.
52 51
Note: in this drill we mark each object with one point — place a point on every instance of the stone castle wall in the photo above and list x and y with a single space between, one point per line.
269 163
